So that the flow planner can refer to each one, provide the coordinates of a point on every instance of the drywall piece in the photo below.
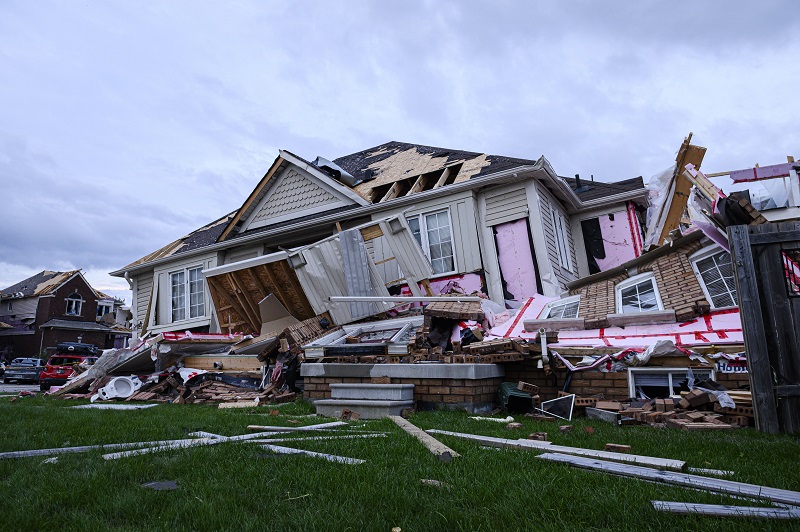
(83, 449)
(432, 444)
(650, 461)
(274, 316)
(679, 479)
(725, 510)
(328, 457)
(516, 260)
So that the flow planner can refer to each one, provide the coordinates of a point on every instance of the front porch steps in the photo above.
(370, 401)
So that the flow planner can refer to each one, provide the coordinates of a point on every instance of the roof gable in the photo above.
(293, 194)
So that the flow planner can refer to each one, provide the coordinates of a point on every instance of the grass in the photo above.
(241, 486)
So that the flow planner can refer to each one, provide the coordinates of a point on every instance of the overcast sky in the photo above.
(126, 125)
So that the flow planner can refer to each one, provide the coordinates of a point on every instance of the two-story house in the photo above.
(508, 227)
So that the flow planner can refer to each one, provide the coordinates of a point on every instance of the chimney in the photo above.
(577, 181)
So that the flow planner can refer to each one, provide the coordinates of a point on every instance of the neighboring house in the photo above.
(511, 228)
(53, 307)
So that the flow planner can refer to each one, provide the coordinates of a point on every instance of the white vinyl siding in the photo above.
(715, 273)
(506, 206)
(560, 228)
(638, 294)
(144, 290)
(547, 206)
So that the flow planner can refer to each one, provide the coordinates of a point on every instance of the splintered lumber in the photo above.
(725, 510)
(650, 461)
(84, 448)
(680, 479)
(328, 457)
(432, 444)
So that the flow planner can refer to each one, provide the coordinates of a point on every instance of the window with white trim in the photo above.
(638, 294)
(187, 282)
(649, 383)
(74, 304)
(104, 308)
(562, 242)
(714, 270)
(435, 236)
(563, 308)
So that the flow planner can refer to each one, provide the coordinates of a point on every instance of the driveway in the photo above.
(14, 388)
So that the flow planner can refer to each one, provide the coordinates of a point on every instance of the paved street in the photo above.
(14, 388)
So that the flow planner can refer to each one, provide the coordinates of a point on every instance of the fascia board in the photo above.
(509, 175)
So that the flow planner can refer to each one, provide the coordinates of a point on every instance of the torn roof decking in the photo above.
(394, 171)
(38, 285)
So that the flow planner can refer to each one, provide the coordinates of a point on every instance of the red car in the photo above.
(61, 365)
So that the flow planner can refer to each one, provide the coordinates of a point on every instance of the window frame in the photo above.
(563, 302)
(562, 239)
(186, 294)
(633, 281)
(632, 372)
(705, 254)
(423, 234)
(103, 304)
(76, 302)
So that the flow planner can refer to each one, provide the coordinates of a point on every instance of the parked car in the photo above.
(23, 369)
(61, 365)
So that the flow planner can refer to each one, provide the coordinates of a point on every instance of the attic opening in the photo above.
(413, 184)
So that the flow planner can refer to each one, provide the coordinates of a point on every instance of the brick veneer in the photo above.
(427, 392)
(677, 284)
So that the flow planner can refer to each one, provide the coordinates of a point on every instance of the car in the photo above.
(23, 369)
(61, 365)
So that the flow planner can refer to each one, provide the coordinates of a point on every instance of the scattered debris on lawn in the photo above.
(442, 451)
(165, 485)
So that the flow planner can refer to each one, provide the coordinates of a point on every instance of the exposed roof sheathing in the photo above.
(40, 284)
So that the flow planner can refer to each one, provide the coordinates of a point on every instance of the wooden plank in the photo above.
(792, 235)
(217, 287)
(85, 448)
(432, 444)
(753, 330)
(185, 444)
(650, 461)
(442, 178)
(243, 295)
(371, 232)
(680, 479)
(328, 457)
(419, 184)
(725, 510)
(687, 153)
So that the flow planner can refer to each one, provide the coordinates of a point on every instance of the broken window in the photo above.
(191, 281)
(715, 272)
(650, 383)
(434, 235)
(74, 304)
(638, 294)
(564, 308)
(560, 228)
(103, 309)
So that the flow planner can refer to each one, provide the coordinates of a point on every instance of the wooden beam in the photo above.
(442, 178)
(680, 479)
(222, 293)
(688, 153)
(419, 184)
(393, 192)
(725, 510)
(649, 461)
(262, 290)
(432, 444)
(240, 292)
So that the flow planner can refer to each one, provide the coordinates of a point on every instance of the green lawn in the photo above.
(240, 486)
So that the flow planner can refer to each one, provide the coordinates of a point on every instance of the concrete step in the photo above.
(376, 392)
(366, 409)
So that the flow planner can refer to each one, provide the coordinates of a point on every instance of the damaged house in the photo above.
(53, 307)
(509, 228)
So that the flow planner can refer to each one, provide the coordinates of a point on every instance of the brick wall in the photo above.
(677, 284)
(585, 384)
(454, 392)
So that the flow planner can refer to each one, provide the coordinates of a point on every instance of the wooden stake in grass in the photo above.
(432, 444)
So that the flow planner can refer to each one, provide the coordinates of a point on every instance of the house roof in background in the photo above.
(41, 284)
(591, 190)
